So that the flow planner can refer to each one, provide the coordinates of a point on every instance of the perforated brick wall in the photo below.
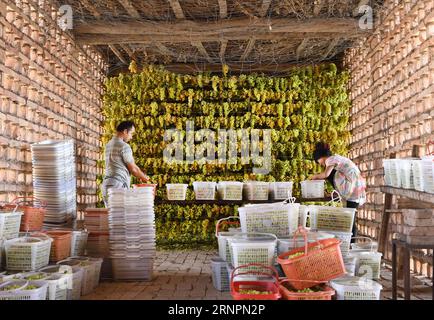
(392, 92)
(50, 89)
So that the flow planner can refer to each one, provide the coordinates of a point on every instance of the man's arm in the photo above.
(135, 171)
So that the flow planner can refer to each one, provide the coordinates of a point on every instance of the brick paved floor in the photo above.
(186, 275)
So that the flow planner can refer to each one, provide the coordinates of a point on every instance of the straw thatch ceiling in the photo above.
(189, 35)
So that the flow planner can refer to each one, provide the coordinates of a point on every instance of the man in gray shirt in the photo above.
(119, 161)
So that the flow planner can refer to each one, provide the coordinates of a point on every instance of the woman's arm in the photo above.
(322, 175)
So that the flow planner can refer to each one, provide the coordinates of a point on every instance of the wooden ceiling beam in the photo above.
(128, 5)
(128, 50)
(223, 6)
(164, 50)
(118, 53)
(104, 39)
(187, 28)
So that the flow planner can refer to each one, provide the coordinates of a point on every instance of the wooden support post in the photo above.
(385, 218)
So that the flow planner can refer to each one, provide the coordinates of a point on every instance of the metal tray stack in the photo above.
(132, 233)
(54, 180)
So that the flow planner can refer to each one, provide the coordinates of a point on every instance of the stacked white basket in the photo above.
(204, 190)
(54, 180)
(368, 260)
(230, 190)
(281, 190)
(312, 189)
(428, 174)
(27, 253)
(58, 284)
(87, 274)
(289, 243)
(256, 190)
(417, 174)
(280, 219)
(404, 171)
(249, 248)
(132, 233)
(78, 242)
(10, 224)
(176, 191)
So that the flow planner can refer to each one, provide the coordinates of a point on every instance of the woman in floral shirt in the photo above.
(343, 174)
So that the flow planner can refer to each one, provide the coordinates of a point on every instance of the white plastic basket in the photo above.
(88, 274)
(21, 293)
(256, 190)
(356, 288)
(404, 169)
(74, 274)
(368, 260)
(79, 242)
(10, 224)
(249, 248)
(368, 245)
(395, 177)
(428, 174)
(386, 167)
(58, 284)
(417, 174)
(2, 255)
(302, 217)
(287, 244)
(281, 190)
(280, 219)
(204, 190)
(345, 238)
(350, 265)
(176, 191)
(335, 219)
(96, 264)
(220, 276)
(222, 238)
(27, 253)
(312, 188)
(230, 190)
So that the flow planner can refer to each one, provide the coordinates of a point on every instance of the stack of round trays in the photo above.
(132, 233)
(54, 179)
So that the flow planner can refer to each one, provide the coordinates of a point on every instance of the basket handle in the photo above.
(254, 233)
(335, 196)
(28, 199)
(302, 231)
(372, 242)
(217, 226)
(298, 280)
(290, 199)
(273, 273)
(40, 234)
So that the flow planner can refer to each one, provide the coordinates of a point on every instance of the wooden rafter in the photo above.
(301, 48)
(128, 5)
(176, 7)
(118, 53)
(248, 49)
(92, 9)
(223, 9)
(223, 45)
(330, 48)
(264, 7)
(128, 50)
(318, 4)
(164, 50)
(202, 50)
